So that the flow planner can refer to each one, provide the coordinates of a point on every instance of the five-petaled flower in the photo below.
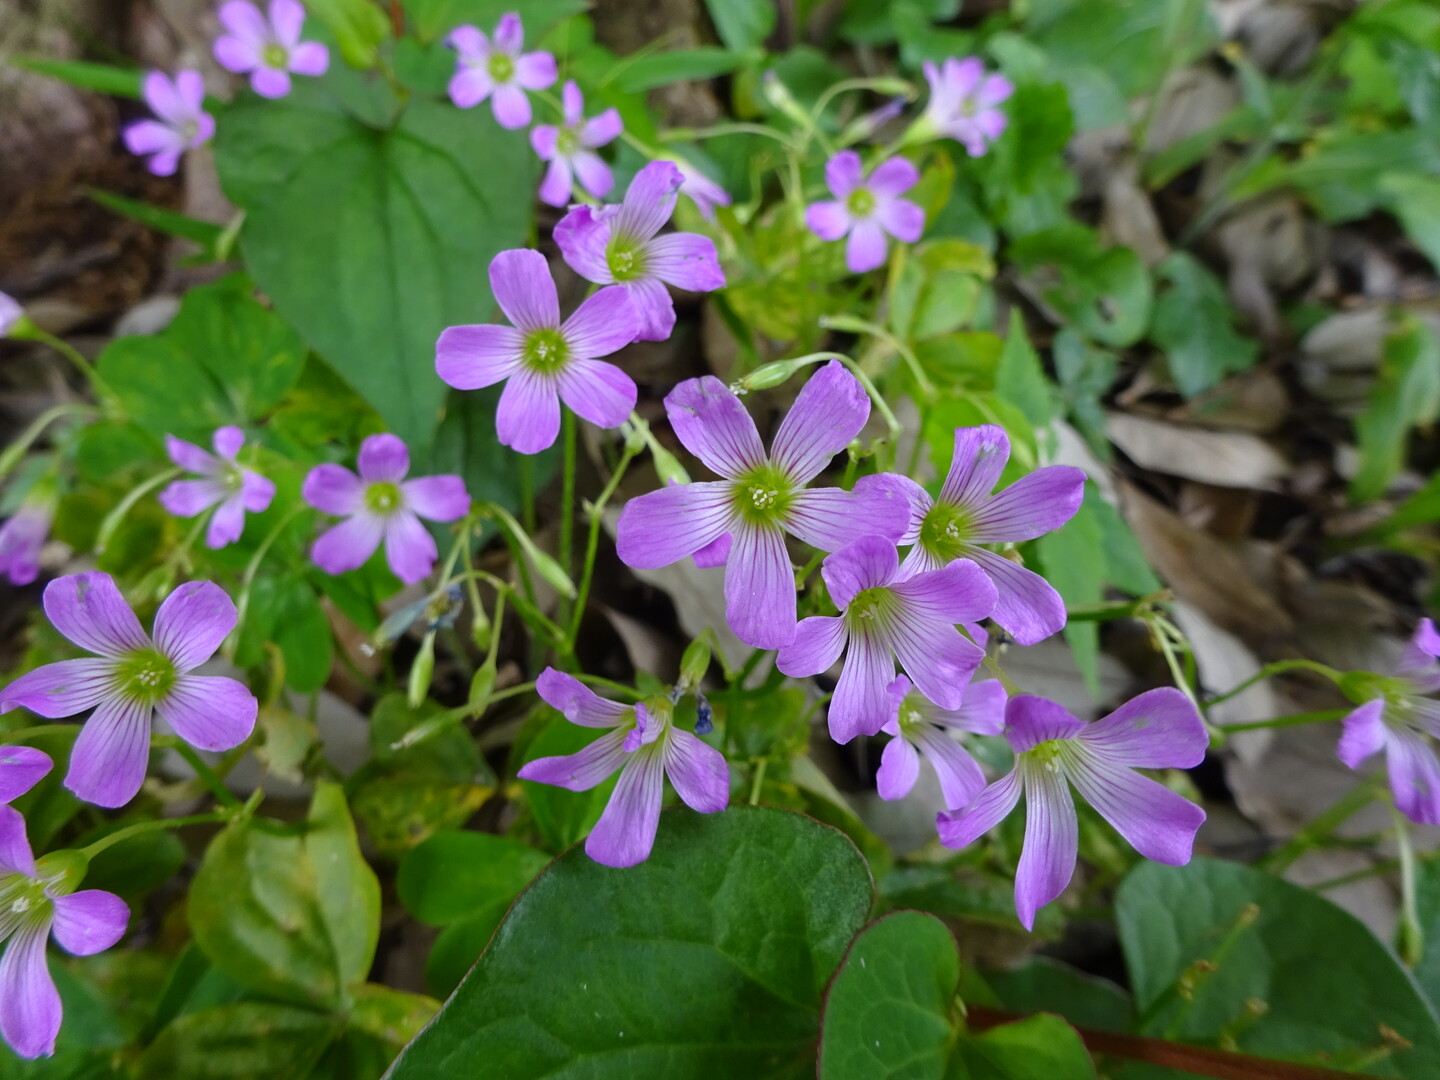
(222, 480)
(570, 149)
(10, 312)
(884, 615)
(494, 67)
(619, 245)
(380, 504)
(741, 521)
(21, 768)
(645, 746)
(964, 104)
(268, 50)
(133, 677)
(1160, 729)
(922, 727)
(181, 122)
(23, 534)
(966, 515)
(866, 208)
(541, 360)
(36, 901)
(1397, 719)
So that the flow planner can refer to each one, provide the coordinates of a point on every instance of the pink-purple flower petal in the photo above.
(1037, 503)
(938, 658)
(60, 689)
(469, 86)
(960, 828)
(894, 176)
(959, 592)
(625, 833)
(333, 489)
(1159, 729)
(21, 768)
(510, 106)
(760, 588)
(210, 712)
(29, 1002)
(409, 548)
(664, 526)
(1026, 605)
(861, 705)
(685, 260)
(524, 289)
(698, 771)
(827, 219)
(649, 201)
(598, 392)
(348, 545)
(107, 765)
(1157, 822)
(1414, 776)
(577, 702)
(979, 458)
(528, 417)
(15, 854)
(828, 412)
(713, 424)
(310, 58)
(437, 498)
(1052, 843)
(868, 563)
(89, 921)
(580, 771)
(1031, 720)
(472, 357)
(866, 247)
(603, 324)
(1363, 733)
(383, 458)
(192, 622)
(819, 640)
(89, 610)
(843, 173)
(961, 779)
(899, 769)
(186, 498)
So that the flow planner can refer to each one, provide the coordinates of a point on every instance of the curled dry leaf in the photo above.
(1224, 458)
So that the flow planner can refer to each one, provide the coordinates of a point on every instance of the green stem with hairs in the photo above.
(91, 850)
(203, 772)
(1279, 667)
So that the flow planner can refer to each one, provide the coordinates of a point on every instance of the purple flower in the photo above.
(236, 488)
(884, 616)
(268, 50)
(133, 677)
(23, 535)
(181, 124)
(619, 245)
(21, 768)
(740, 522)
(380, 504)
(922, 727)
(10, 313)
(646, 747)
(867, 208)
(541, 360)
(967, 515)
(1160, 729)
(497, 69)
(1396, 720)
(36, 901)
(963, 103)
(570, 149)
(705, 193)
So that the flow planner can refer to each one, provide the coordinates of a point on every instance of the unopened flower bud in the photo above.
(422, 670)
(695, 663)
(481, 687)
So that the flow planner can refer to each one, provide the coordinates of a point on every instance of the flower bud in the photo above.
(667, 466)
(481, 687)
(771, 374)
(695, 663)
(422, 671)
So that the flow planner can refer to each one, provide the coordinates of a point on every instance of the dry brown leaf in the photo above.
(1234, 459)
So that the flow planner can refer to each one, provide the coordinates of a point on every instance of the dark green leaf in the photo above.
(1073, 560)
(451, 875)
(1406, 395)
(359, 27)
(167, 221)
(239, 1042)
(289, 912)
(121, 82)
(434, 18)
(754, 906)
(1415, 200)
(742, 24)
(682, 65)
(1105, 292)
(1045, 985)
(889, 1011)
(1020, 378)
(286, 611)
(373, 242)
(1277, 944)
(1192, 321)
(1038, 1048)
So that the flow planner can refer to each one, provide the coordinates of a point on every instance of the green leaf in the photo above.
(1415, 200)
(755, 906)
(239, 1042)
(1192, 321)
(682, 65)
(1274, 943)
(1045, 985)
(1427, 903)
(384, 1020)
(359, 27)
(562, 816)
(1073, 560)
(1105, 292)
(452, 874)
(433, 18)
(742, 24)
(1086, 374)
(286, 611)
(1037, 1048)
(373, 242)
(225, 359)
(289, 912)
(1136, 41)
(1020, 378)
(167, 221)
(888, 1013)
(1406, 394)
(120, 82)
(134, 866)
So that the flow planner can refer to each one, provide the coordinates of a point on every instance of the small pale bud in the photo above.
(481, 687)
(422, 671)
(696, 662)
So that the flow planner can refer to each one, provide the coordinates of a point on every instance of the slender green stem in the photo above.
(91, 850)
(567, 501)
(36, 732)
(116, 516)
(757, 781)
(1320, 829)
(1411, 935)
(203, 771)
(65, 349)
(1279, 667)
(592, 544)
(1320, 716)
(716, 130)
(16, 450)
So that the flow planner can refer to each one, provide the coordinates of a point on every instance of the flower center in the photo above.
(869, 609)
(911, 719)
(21, 899)
(968, 107)
(146, 675)
(190, 131)
(763, 496)
(944, 531)
(275, 56)
(1049, 754)
(626, 262)
(502, 67)
(382, 498)
(545, 351)
(861, 203)
(567, 142)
